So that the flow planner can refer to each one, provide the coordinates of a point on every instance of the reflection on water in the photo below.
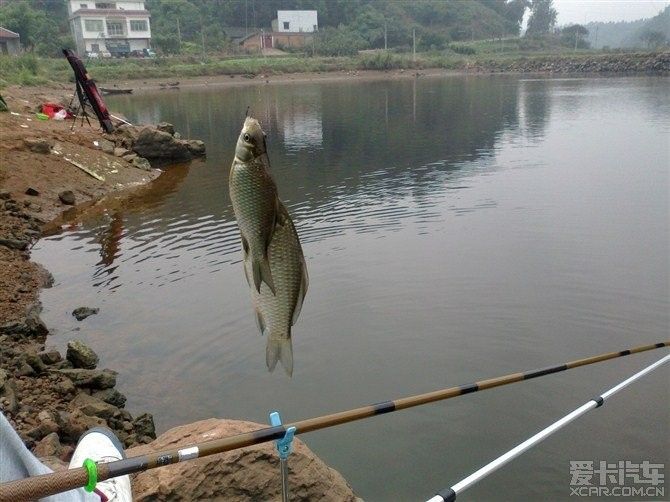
(456, 228)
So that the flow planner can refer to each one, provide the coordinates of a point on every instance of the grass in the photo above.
(30, 70)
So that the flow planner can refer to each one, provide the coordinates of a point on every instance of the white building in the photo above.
(297, 21)
(109, 28)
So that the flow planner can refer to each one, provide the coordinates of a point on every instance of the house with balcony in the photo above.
(111, 28)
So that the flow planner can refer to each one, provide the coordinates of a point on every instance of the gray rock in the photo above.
(196, 147)
(154, 144)
(51, 356)
(31, 191)
(107, 146)
(94, 379)
(25, 370)
(119, 151)
(166, 127)
(5, 195)
(34, 326)
(14, 244)
(176, 135)
(93, 407)
(141, 163)
(130, 157)
(65, 387)
(49, 446)
(36, 363)
(111, 396)
(8, 396)
(38, 145)
(3, 378)
(144, 425)
(67, 197)
(81, 355)
(82, 313)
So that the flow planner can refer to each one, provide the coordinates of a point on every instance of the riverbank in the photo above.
(29, 70)
(48, 168)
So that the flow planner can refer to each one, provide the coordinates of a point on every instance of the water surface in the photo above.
(455, 228)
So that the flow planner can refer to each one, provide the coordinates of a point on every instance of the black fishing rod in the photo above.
(57, 482)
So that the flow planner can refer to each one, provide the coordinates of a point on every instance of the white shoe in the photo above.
(102, 446)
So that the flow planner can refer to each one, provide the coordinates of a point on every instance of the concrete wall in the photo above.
(298, 21)
(11, 46)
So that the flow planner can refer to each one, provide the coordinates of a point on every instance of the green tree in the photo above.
(653, 38)
(575, 35)
(542, 17)
(24, 20)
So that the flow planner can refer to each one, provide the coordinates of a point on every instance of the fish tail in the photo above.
(279, 349)
(260, 268)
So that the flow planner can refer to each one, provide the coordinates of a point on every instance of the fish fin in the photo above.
(304, 284)
(245, 247)
(260, 322)
(261, 273)
(279, 349)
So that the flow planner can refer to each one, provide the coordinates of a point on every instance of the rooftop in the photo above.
(5, 33)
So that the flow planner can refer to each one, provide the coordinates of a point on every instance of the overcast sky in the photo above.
(585, 11)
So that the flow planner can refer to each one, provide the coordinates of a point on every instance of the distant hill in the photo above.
(627, 34)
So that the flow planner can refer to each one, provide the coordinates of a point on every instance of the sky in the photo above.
(585, 11)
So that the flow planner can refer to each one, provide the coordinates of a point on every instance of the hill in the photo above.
(628, 34)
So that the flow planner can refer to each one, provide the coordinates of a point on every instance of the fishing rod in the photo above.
(57, 482)
(449, 494)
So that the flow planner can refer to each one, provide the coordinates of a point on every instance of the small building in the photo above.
(10, 42)
(297, 21)
(292, 28)
(110, 28)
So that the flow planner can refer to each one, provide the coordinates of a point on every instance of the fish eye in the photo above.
(247, 138)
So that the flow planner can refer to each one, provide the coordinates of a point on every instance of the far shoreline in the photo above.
(144, 85)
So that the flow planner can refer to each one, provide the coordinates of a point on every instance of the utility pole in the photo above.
(246, 17)
(385, 38)
(179, 34)
(595, 44)
(575, 41)
(413, 44)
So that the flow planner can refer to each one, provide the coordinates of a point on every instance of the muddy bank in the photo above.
(48, 167)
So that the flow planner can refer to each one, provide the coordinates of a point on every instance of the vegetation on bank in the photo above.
(30, 70)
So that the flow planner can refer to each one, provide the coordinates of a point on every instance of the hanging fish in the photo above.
(277, 311)
(254, 196)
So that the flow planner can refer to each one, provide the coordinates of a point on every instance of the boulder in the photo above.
(14, 244)
(82, 313)
(141, 163)
(49, 446)
(93, 407)
(107, 146)
(3, 378)
(76, 423)
(144, 426)
(196, 147)
(93, 379)
(38, 145)
(111, 396)
(32, 192)
(51, 356)
(154, 144)
(67, 197)
(81, 355)
(119, 151)
(248, 474)
(166, 127)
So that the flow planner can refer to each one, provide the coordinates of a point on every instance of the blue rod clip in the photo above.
(285, 444)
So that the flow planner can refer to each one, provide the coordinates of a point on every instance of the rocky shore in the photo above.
(654, 63)
(50, 397)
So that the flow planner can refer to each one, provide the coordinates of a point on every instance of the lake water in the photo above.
(455, 228)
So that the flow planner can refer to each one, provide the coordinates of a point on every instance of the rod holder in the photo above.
(285, 444)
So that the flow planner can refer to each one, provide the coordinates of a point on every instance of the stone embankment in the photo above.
(655, 63)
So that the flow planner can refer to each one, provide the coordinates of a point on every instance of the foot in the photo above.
(102, 446)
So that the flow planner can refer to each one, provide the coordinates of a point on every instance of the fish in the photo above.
(253, 193)
(276, 312)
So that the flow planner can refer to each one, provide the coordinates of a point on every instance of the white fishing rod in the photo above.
(449, 494)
